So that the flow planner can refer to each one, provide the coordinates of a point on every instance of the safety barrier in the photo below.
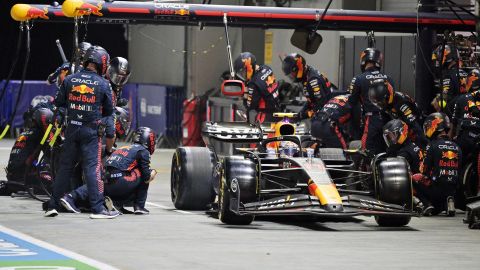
(31, 89)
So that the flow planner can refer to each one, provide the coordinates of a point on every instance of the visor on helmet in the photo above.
(119, 79)
(379, 101)
(391, 137)
(242, 74)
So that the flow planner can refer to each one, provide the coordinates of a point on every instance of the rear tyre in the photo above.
(468, 187)
(242, 173)
(470, 181)
(191, 178)
(393, 185)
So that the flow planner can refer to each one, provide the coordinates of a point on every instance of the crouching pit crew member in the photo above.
(395, 134)
(87, 96)
(128, 175)
(436, 184)
(25, 150)
(399, 106)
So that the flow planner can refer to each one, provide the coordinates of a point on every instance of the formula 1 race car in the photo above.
(281, 176)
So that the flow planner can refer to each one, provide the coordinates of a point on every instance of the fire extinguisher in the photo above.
(192, 121)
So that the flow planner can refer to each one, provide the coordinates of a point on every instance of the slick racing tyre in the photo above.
(192, 178)
(239, 175)
(470, 181)
(469, 187)
(393, 185)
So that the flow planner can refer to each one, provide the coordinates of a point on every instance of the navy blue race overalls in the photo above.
(373, 118)
(318, 91)
(22, 155)
(87, 98)
(407, 110)
(127, 173)
(263, 95)
(442, 167)
(328, 122)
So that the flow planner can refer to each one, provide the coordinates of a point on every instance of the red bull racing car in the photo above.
(286, 174)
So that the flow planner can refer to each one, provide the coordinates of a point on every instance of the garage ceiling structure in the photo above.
(130, 12)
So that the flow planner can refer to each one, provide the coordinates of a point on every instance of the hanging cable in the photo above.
(15, 60)
(28, 27)
(85, 23)
(418, 41)
(75, 57)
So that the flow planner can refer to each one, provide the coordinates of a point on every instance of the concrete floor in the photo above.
(171, 239)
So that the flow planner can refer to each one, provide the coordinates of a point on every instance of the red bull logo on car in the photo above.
(182, 12)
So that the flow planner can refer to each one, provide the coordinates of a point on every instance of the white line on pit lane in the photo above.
(168, 208)
(64, 252)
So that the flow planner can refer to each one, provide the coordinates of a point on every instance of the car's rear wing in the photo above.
(233, 132)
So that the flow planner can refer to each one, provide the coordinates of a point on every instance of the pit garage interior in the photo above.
(178, 63)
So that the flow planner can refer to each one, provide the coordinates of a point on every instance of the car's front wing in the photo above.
(299, 204)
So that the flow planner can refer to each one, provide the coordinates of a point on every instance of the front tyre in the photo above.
(393, 185)
(238, 174)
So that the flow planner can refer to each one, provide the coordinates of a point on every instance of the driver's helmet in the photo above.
(395, 132)
(290, 149)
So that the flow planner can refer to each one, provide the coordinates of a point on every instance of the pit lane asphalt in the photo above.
(171, 239)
